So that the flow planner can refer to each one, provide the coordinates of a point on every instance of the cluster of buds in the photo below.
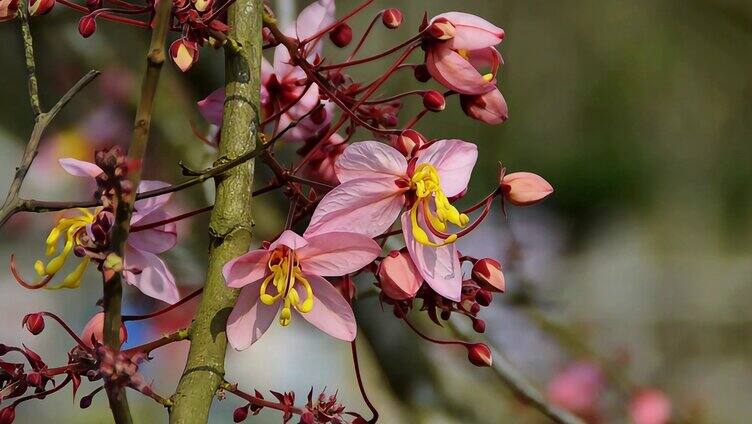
(199, 22)
(323, 410)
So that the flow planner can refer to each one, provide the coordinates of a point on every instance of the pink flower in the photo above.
(377, 182)
(154, 279)
(94, 330)
(490, 107)
(287, 275)
(466, 44)
(578, 388)
(650, 406)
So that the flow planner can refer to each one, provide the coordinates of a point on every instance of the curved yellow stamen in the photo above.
(286, 277)
(69, 228)
(426, 185)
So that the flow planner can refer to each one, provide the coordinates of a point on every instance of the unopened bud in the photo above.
(479, 355)
(341, 35)
(319, 116)
(475, 308)
(202, 5)
(87, 25)
(483, 297)
(525, 188)
(94, 330)
(441, 29)
(420, 72)
(409, 141)
(7, 415)
(445, 315)
(487, 273)
(240, 414)
(184, 53)
(391, 18)
(85, 401)
(479, 326)
(307, 418)
(40, 7)
(93, 4)
(35, 380)
(398, 275)
(34, 323)
(434, 101)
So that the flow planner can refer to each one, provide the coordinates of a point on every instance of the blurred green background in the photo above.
(638, 112)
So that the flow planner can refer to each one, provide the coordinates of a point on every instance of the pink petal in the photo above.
(155, 280)
(331, 313)
(525, 188)
(249, 319)
(454, 160)
(335, 254)
(472, 32)
(145, 207)
(490, 108)
(454, 71)
(398, 275)
(212, 106)
(486, 58)
(290, 239)
(155, 240)
(439, 266)
(246, 269)
(281, 62)
(311, 20)
(79, 168)
(365, 206)
(370, 159)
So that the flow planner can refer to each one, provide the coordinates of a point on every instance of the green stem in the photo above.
(231, 222)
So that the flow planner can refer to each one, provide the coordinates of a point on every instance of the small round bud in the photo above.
(445, 315)
(307, 417)
(341, 35)
(391, 18)
(35, 380)
(483, 297)
(93, 4)
(319, 116)
(85, 401)
(434, 101)
(475, 308)
(487, 273)
(398, 275)
(184, 53)
(40, 7)
(34, 323)
(479, 326)
(87, 25)
(441, 29)
(7, 415)
(240, 414)
(479, 354)
(421, 74)
(525, 188)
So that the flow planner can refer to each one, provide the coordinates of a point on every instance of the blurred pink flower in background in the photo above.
(578, 389)
(650, 406)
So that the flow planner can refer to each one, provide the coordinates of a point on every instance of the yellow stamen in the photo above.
(287, 278)
(426, 184)
(71, 228)
(488, 77)
(464, 53)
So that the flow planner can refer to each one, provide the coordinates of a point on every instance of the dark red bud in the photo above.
(87, 25)
(341, 35)
(34, 323)
(7, 415)
(85, 401)
(93, 4)
(479, 355)
(392, 18)
(445, 315)
(307, 418)
(434, 101)
(40, 7)
(240, 414)
(35, 380)
(421, 73)
(487, 273)
(319, 116)
(475, 309)
(483, 297)
(479, 326)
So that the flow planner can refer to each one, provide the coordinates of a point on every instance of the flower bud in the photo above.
(483, 297)
(7, 415)
(445, 315)
(398, 275)
(35, 379)
(87, 25)
(420, 72)
(479, 354)
(40, 7)
(479, 326)
(490, 108)
(441, 29)
(319, 116)
(408, 142)
(525, 188)
(94, 4)
(434, 101)
(392, 18)
(307, 417)
(341, 35)
(184, 53)
(8, 10)
(34, 323)
(487, 273)
(202, 5)
(94, 329)
(240, 414)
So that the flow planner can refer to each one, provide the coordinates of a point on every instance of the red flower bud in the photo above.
(95, 327)
(87, 25)
(408, 142)
(391, 18)
(40, 7)
(341, 35)
(93, 4)
(7, 415)
(441, 29)
(8, 10)
(434, 101)
(483, 297)
(398, 275)
(420, 72)
(240, 414)
(184, 53)
(525, 188)
(479, 354)
(202, 5)
(319, 116)
(487, 273)
(307, 417)
(479, 326)
(490, 108)
(35, 380)
(34, 323)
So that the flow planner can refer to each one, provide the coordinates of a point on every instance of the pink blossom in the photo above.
(287, 275)
(94, 329)
(378, 182)
(650, 406)
(154, 279)
(578, 388)
(453, 59)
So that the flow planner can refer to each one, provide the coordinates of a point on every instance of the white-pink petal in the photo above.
(471, 31)
(246, 269)
(331, 313)
(290, 239)
(80, 168)
(336, 254)
(155, 279)
(212, 106)
(249, 319)
(454, 160)
(370, 159)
